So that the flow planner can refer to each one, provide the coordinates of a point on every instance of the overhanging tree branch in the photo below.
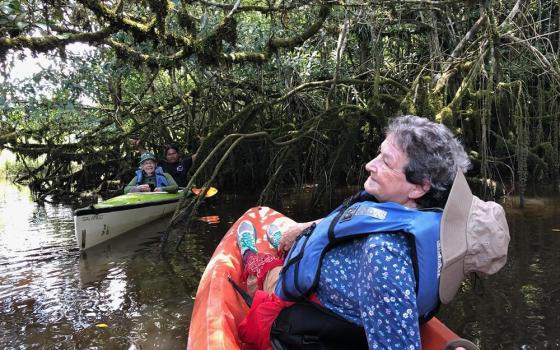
(46, 43)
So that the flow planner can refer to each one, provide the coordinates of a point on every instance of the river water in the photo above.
(132, 294)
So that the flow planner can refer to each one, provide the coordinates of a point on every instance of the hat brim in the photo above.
(453, 237)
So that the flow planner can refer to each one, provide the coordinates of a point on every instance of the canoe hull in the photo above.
(97, 262)
(218, 309)
(97, 224)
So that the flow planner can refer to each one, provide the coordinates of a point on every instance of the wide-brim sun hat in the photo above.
(474, 237)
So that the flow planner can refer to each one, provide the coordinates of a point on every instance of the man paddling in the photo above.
(381, 263)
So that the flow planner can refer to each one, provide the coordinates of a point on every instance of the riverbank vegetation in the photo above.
(272, 93)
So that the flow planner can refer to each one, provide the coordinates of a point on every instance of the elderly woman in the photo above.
(377, 265)
(151, 178)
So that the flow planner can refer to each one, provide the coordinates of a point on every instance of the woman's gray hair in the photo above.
(434, 155)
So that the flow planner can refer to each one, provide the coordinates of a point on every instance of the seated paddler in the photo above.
(150, 178)
(369, 273)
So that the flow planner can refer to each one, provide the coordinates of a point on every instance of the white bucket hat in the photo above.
(474, 237)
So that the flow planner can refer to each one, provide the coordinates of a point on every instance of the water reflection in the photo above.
(96, 262)
(519, 307)
(52, 296)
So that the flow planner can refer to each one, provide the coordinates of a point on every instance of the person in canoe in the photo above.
(369, 273)
(150, 178)
(174, 163)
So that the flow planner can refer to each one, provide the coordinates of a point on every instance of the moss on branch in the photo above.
(291, 42)
(46, 43)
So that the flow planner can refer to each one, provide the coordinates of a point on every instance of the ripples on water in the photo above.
(54, 297)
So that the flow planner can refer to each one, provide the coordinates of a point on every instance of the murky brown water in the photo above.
(520, 306)
(53, 297)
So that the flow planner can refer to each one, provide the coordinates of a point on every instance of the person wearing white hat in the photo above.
(384, 260)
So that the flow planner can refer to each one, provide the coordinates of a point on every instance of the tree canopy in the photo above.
(272, 93)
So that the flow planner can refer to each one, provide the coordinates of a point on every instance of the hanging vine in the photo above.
(522, 148)
(193, 73)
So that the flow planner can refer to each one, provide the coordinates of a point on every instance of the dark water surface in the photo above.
(520, 306)
(54, 297)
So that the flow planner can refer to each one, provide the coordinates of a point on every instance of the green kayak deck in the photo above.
(130, 201)
(138, 197)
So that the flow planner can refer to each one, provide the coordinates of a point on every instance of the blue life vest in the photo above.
(358, 217)
(161, 181)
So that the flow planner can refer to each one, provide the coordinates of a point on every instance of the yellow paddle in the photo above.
(198, 191)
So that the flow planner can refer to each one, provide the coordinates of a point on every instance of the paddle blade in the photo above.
(211, 191)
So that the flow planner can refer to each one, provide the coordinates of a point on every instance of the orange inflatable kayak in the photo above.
(218, 308)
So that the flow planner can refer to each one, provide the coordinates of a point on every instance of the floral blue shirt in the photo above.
(370, 282)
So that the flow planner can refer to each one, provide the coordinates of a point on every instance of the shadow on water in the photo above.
(54, 297)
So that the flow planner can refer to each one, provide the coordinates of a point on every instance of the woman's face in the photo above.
(149, 167)
(387, 180)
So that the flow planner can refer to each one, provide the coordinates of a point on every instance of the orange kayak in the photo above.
(218, 309)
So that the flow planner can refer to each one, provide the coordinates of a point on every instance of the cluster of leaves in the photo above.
(314, 83)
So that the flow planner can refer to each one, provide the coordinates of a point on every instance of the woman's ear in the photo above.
(419, 190)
